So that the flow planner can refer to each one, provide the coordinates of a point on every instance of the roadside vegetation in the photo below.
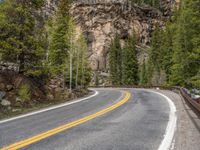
(175, 51)
(123, 62)
(48, 56)
(173, 56)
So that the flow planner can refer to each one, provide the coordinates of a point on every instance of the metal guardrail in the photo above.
(194, 103)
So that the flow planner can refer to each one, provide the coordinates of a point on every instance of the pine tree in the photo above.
(68, 51)
(143, 74)
(149, 72)
(115, 58)
(84, 75)
(155, 51)
(155, 57)
(186, 44)
(167, 49)
(20, 41)
(59, 45)
(130, 63)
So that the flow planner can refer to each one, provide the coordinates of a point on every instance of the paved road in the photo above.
(139, 124)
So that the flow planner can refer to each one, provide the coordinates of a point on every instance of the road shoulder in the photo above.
(35, 111)
(188, 124)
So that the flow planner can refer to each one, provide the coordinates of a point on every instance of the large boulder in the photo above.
(5, 103)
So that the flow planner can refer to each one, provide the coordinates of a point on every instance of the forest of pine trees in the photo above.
(50, 47)
(54, 48)
(174, 54)
(123, 62)
(176, 49)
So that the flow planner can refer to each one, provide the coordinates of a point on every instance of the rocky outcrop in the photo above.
(50, 8)
(100, 22)
(8, 67)
(168, 6)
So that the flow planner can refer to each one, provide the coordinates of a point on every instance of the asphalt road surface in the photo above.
(137, 124)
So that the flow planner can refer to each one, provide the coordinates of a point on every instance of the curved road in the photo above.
(138, 124)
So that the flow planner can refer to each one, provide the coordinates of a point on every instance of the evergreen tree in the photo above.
(84, 75)
(59, 45)
(176, 50)
(186, 44)
(155, 57)
(167, 49)
(130, 63)
(143, 74)
(68, 51)
(115, 58)
(20, 41)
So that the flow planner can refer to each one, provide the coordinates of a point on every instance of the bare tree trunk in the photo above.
(71, 73)
(63, 79)
(82, 71)
(22, 63)
(77, 71)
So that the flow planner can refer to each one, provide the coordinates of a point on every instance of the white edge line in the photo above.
(49, 108)
(171, 127)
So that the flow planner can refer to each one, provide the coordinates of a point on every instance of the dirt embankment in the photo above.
(19, 93)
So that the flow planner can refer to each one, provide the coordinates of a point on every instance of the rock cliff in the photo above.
(100, 20)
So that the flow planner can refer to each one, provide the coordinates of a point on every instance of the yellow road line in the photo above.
(54, 131)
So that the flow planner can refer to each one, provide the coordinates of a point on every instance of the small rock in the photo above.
(9, 87)
(2, 86)
(58, 89)
(50, 97)
(9, 108)
(18, 104)
(2, 94)
(37, 94)
(1, 79)
(5, 102)
(18, 99)
(16, 110)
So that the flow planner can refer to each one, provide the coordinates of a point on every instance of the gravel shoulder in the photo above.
(187, 136)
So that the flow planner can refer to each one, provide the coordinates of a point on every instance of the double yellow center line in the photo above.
(59, 129)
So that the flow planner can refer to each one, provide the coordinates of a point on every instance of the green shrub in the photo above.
(24, 93)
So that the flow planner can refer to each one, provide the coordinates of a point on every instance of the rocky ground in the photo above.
(20, 93)
(187, 135)
(8, 109)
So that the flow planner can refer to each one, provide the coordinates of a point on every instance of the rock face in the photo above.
(50, 8)
(100, 22)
